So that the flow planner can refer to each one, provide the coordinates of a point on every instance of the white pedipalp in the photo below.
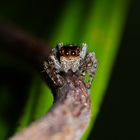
(60, 45)
(83, 51)
(56, 62)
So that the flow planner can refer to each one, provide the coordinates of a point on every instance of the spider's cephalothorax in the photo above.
(69, 57)
(72, 58)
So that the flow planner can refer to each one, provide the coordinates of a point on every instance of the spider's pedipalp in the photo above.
(83, 51)
(60, 45)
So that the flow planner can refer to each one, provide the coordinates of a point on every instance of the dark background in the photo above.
(119, 117)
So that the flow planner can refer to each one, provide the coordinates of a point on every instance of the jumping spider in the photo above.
(66, 58)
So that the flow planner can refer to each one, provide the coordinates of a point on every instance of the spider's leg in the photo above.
(89, 66)
(52, 67)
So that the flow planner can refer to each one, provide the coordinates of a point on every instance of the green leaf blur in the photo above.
(99, 23)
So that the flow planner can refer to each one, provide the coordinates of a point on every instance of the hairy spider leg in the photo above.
(52, 68)
(89, 66)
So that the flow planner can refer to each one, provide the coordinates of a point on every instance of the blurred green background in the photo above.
(102, 24)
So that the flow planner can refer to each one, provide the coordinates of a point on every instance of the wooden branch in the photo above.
(70, 114)
(68, 117)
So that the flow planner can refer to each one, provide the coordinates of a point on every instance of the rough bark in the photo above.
(68, 117)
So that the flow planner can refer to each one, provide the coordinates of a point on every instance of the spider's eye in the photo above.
(73, 53)
(61, 51)
(78, 50)
(66, 53)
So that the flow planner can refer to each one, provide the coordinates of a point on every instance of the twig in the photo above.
(70, 114)
(67, 119)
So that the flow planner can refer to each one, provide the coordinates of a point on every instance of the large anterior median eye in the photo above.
(66, 52)
(73, 53)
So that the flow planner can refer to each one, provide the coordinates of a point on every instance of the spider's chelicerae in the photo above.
(70, 58)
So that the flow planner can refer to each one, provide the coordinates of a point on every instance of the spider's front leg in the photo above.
(89, 67)
(52, 67)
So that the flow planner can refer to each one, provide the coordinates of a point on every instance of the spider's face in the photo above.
(70, 57)
(70, 52)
